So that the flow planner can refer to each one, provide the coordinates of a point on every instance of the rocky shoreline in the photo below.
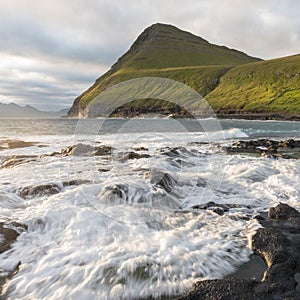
(181, 114)
(287, 149)
(278, 244)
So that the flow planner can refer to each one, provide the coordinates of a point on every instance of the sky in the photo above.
(52, 50)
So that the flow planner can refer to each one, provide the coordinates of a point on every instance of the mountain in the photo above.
(232, 82)
(165, 51)
(60, 113)
(13, 110)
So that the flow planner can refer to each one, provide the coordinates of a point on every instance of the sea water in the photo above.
(118, 235)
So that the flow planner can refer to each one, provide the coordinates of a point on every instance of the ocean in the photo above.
(121, 225)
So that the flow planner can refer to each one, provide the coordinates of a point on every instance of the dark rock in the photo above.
(103, 170)
(140, 149)
(163, 180)
(9, 231)
(268, 148)
(132, 155)
(15, 160)
(102, 150)
(40, 190)
(218, 208)
(83, 150)
(75, 182)
(116, 191)
(178, 152)
(282, 212)
(279, 246)
(227, 289)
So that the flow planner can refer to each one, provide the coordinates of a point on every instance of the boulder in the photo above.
(282, 212)
(132, 155)
(84, 150)
(39, 190)
(164, 180)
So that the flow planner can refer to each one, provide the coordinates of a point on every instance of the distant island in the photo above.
(234, 83)
(12, 110)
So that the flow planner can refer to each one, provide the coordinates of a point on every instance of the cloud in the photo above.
(51, 51)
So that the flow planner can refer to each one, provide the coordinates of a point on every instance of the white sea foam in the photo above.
(121, 235)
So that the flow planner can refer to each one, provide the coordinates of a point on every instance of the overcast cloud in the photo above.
(51, 51)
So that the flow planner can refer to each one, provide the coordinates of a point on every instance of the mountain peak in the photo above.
(163, 50)
(160, 33)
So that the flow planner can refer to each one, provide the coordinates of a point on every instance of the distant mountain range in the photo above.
(232, 81)
(12, 110)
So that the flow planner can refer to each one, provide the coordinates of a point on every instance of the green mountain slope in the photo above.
(166, 51)
(271, 86)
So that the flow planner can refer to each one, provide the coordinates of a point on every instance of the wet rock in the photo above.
(227, 289)
(39, 190)
(75, 182)
(77, 150)
(218, 208)
(163, 180)
(103, 170)
(16, 160)
(14, 144)
(120, 194)
(84, 150)
(278, 244)
(9, 232)
(178, 152)
(102, 150)
(132, 155)
(140, 149)
(268, 148)
(282, 212)
(117, 193)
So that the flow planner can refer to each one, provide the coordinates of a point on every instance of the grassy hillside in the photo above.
(203, 79)
(271, 86)
(165, 46)
(166, 51)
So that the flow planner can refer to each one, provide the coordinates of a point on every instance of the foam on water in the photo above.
(121, 234)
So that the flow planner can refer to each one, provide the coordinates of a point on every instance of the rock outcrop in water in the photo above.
(217, 208)
(9, 232)
(162, 180)
(278, 243)
(15, 160)
(269, 148)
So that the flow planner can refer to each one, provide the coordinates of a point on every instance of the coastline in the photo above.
(275, 236)
(220, 115)
(277, 243)
(259, 117)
